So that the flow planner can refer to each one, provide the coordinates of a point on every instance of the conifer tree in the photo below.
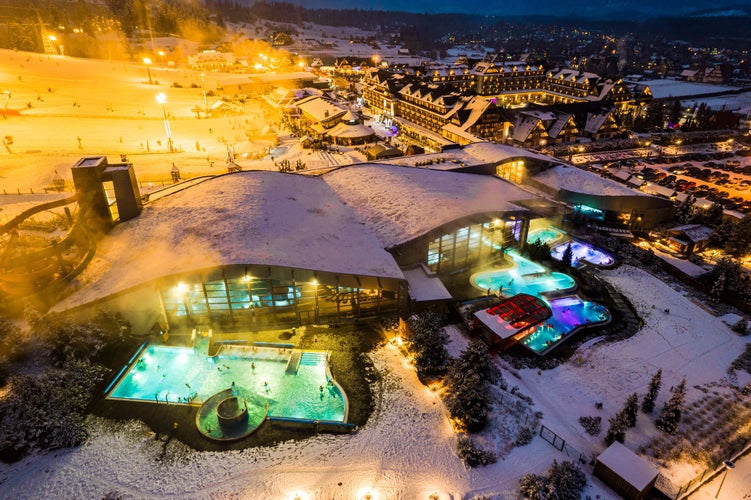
(631, 409)
(617, 429)
(568, 257)
(648, 403)
(670, 416)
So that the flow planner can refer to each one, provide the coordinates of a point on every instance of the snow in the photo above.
(627, 464)
(404, 203)
(264, 218)
(406, 450)
(679, 88)
(581, 181)
(424, 285)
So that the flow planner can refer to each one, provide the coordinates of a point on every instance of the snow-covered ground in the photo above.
(407, 449)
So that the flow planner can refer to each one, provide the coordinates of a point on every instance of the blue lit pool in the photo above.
(188, 375)
(569, 313)
(582, 252)
(524, 276)
(545, 235)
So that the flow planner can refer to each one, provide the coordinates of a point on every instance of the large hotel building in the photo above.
(490, 100)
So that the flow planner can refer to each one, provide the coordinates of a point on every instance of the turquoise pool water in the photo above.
(582, 252)
(569, 313)
(524, 276)
(184, 374)
(545, 235)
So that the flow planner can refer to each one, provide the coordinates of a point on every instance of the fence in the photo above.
(560, 444)
(316, 426)
(666, 487)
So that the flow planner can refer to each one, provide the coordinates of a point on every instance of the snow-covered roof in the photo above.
(404, 203)
(425, 286)
(262, 218)
(320, 109)
(628, 465)
(679, 88)
(346, 130)
(694, 232)
(491, 153)
(581, 181)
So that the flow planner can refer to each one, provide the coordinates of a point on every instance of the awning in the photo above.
(425, 286)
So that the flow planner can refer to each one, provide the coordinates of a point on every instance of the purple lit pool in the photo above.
(569, 314)
(583, 252)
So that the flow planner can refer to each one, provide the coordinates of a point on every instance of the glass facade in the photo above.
(268, 301)
(468, 245)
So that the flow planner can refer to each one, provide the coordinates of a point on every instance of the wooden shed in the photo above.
(625, 472)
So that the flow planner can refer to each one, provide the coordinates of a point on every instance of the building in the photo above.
(428, 104)
(689, 238)
(262, 249)
(625, 472)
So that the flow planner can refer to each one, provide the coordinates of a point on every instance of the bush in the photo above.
(47, 412)
(741, 326)
(68, 341)
(526, 435)
(473, 455)
(565, 481)
(592, 425)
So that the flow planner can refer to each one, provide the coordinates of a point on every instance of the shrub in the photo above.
(564, 481)
(526, 435)
(741, 326)
(472, 454)
(592, 425)
(47, 412)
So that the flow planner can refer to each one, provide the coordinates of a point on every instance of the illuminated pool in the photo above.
(300, 388)
(545, 235)
(569, 313)
(582, 251)
(524, 276)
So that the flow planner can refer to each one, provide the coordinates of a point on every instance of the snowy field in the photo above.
(407, 448)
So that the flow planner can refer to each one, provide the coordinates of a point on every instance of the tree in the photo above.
(631, 409)
(468, 398)
(564, 481)
(427, 343)
(648, 403)
(568, 257)
(740, 242)
(617, 429)
(670, 416)
(468, 401)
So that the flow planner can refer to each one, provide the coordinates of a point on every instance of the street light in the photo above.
(162, 99)
(728, 465)
(147, 62)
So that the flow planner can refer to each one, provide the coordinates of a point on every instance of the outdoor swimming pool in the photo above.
(569, 313)
(184, 374)
(545, 235)
(524, 276)
(582, 251)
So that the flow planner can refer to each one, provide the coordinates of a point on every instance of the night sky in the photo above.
(632, 9)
